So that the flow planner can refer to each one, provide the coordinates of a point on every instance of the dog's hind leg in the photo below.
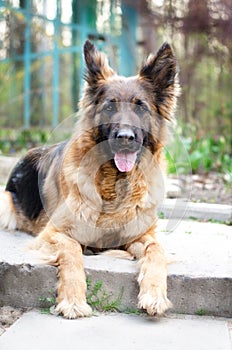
(67, 254)
(152, 277)
(7, 211)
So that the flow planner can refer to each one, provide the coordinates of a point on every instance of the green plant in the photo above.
(18, 141)
(193, 218)
(214, 221)
(133, 311)
(13, 141)
(99, 299)
(189, 152)
(48, 302)
(201, 312)
(161, 215)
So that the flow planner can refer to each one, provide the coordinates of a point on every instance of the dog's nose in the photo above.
(125, 135)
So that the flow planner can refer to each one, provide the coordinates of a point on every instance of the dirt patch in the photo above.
(207, 188)
(8, 315)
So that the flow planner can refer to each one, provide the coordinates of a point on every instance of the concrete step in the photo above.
(117, 331)
(180, 208)
(199, 279)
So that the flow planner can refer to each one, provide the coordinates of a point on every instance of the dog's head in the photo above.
(130, 113)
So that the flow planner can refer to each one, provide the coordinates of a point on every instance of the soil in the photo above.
(208, 188)
(8, 315)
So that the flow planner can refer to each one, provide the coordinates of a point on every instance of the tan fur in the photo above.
(8, 215)
(120, 254)
(152, 277)
(87, 202)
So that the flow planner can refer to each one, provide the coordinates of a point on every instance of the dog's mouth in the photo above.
(125, 144)
(125, 161)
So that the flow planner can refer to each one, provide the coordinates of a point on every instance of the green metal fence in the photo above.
(41, 63)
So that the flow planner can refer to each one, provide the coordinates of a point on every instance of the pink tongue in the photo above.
(125, 161)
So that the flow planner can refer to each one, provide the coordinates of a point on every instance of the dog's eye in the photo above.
(110, 108)
(141, 108)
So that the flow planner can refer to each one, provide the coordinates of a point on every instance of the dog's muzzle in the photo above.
(125, 144)
(125, 138)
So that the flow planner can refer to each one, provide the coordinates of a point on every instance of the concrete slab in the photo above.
(200, 278)
(116, 331)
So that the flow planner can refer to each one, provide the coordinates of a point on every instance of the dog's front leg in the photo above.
(67, 255)
(152, 277)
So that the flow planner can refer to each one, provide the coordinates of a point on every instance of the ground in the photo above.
(208, 188)
(8, 315)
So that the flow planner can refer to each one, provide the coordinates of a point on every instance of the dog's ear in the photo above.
(96, 63)
(161, 72)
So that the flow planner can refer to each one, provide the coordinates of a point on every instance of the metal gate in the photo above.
(41, 64)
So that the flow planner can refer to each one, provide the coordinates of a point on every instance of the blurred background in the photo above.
(41, 69)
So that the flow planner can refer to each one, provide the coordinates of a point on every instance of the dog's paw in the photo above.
(155, 303)
(74, 309)
(7, 212)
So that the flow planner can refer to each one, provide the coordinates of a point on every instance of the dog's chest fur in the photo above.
(111, 208)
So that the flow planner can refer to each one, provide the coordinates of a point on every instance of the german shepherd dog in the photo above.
(101, 188)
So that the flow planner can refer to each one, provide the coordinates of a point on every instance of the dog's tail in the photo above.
(7, 211)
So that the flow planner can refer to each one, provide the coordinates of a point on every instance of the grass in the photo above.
(97, 298)
(201, 312)
(132, 311)
(49, 302)
(161, 215)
